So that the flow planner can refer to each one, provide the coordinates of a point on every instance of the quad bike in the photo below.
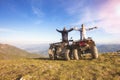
(81, 47)
(65, 50)
(58, 50)
(75, 50)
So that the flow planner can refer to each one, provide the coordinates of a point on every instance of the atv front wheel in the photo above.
(51, 54)
(67, 54)
(94, 52)
(75, 54)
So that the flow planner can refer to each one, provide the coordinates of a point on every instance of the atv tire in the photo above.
(75, 54)
(94, 52)
(51, 54)
(67, 54)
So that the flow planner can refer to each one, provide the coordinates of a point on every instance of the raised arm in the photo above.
(58, 30)
(70, 30)
(77, 29)
(91, 28)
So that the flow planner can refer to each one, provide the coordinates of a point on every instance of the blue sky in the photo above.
(36, 21)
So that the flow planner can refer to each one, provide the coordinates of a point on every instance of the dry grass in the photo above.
(106, 67)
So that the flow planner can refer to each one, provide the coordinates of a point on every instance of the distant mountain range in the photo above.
(43, 48)
(12, 52)
(108, 47)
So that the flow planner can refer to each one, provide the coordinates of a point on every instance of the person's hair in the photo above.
(82, 25)
(64, 28)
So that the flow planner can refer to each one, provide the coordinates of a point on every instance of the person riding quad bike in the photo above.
(67, 51)
(83, 30)
(57, 50)
(84, 45)
(64, 33)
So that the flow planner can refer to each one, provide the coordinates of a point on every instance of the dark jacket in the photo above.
(64, 34)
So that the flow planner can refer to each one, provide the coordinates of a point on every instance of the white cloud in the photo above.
(6, 30)
(37, 22)
(105, 15)
(36, 6)
(37, 11)
(110, 13)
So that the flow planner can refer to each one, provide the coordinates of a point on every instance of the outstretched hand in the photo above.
(96, 27)
(75, 28)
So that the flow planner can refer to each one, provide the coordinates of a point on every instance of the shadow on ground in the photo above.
(46, 58)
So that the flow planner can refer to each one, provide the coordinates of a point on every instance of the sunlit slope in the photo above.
(106, 67)
(11, 52)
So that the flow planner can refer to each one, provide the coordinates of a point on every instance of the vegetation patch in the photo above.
(106, 67)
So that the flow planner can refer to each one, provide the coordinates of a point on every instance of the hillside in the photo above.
(11, 52)
(41, 49)
(106, 67)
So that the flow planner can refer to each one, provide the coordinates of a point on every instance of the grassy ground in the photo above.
(106, 67)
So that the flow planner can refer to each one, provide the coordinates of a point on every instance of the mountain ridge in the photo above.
(42, 49)
(11, 52)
